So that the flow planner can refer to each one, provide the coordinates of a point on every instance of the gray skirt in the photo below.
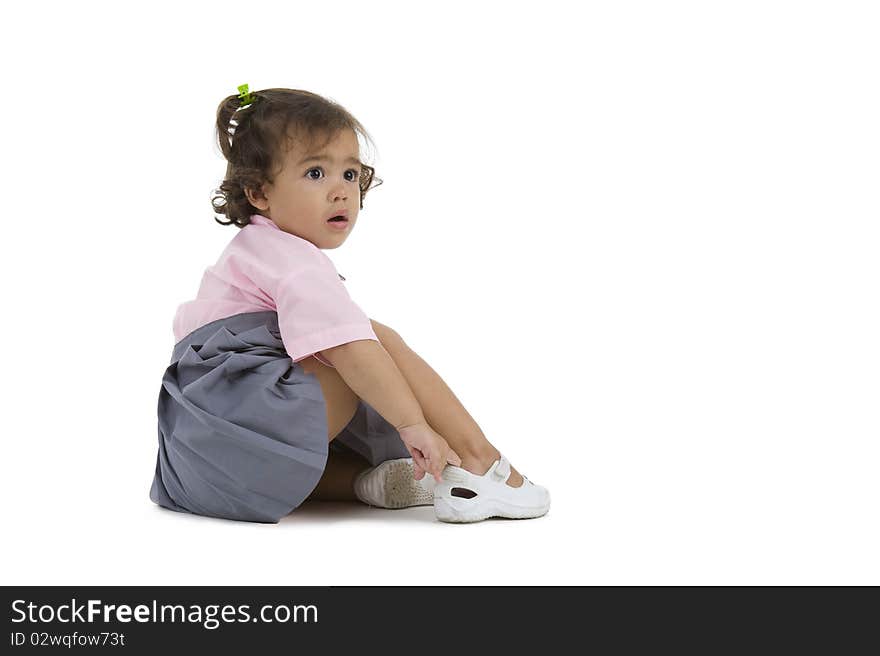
(243, 430)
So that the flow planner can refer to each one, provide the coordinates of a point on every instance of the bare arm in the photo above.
(368, 369)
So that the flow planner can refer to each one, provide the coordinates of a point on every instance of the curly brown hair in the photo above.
(254, 138)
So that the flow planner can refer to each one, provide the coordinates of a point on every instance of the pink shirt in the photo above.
(264, 268)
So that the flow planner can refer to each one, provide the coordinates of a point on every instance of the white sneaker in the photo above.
(466, 497)
(391, 485)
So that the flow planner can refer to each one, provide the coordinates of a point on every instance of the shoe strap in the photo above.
(502, 469)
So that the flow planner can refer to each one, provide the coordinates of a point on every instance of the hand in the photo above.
(429, 450)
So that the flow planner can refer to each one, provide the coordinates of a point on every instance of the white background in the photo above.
(638, 240)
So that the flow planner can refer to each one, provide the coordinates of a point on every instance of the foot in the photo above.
(479, 465)
(391, 485)
(468, 496)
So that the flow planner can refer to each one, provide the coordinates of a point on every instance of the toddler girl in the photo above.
(280, 389)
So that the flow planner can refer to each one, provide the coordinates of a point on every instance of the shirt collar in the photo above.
(259, 219)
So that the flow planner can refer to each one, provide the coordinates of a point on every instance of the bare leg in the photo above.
(337, 482)
(442, 409)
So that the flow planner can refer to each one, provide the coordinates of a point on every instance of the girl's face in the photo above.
(312, 187)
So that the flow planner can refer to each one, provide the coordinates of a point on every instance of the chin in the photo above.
(330, 247)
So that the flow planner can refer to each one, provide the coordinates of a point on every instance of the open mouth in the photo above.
(338, 219)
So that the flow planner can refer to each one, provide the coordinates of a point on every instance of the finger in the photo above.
(436, 468)
(419, 460)
(453, 458)
(418, 472)
(436, 463)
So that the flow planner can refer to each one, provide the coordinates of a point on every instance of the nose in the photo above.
(338, 193)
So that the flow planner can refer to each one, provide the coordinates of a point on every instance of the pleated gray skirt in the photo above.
(243, 429)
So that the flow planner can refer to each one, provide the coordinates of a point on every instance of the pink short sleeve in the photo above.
(315, 312)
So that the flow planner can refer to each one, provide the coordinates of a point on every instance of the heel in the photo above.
(443, 510)
(446, 512)
(460, 511)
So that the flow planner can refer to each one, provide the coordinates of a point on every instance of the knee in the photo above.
(387, 336)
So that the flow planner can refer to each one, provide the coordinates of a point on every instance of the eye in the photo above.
(357, 173)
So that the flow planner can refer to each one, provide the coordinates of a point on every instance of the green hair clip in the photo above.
(245, 96)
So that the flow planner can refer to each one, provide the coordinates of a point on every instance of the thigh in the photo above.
(339, 398)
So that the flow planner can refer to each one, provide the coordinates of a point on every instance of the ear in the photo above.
(257, 198)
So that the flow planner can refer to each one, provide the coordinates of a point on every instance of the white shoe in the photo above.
(391, 485)
(466, 497)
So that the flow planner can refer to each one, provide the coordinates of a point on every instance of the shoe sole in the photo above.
(400, 489)
(463, 511)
